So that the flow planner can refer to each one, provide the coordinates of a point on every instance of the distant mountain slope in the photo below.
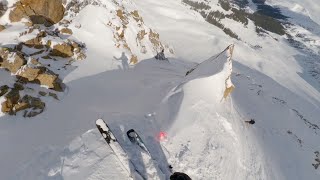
(272, 82)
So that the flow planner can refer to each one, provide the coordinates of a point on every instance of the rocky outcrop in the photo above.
(62, 50)
(134, 59)
(12, 99)
(35, 105)
(50, 80)
(66, 31)
(42, 76)
(13, 104)
(33, 60)
(3, 90)
(36, 42)
(47, 12)
(155, 40)
(11, 61)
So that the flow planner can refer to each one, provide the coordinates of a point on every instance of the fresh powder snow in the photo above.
(192, 111)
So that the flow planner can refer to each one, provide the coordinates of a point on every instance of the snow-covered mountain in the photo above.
(238, 98)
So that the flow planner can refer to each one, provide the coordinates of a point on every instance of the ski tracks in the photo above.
(88, 157)
(213, 148)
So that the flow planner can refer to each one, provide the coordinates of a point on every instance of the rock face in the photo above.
(47, 12)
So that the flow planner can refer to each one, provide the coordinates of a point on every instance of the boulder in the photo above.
(42, 93)
(2, 27)
(66, 31)
(62, 50)
(12, 61)
(47, 12)
(133, 59)
(21, 106)
(30, 102)
(3, 90)
(54, 95)
(47, 79)
(18, 86)
(36, 42)
(30, 73)
(42, 76)
(12, 99)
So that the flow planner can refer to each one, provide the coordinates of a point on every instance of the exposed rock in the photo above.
(3, 90)
(62, 50)
(12, 65)
(34, 102)
(54, 95)
(46, 57)
(50, 80)
(35, 42)
(28, 24)
(66, 31)
(21, 106)
(122, 16)
(42, 76)
(12, 98)
(228, 91)
(81, 56)
(136, 16)
(42, 93)
(30, 102)
(36, 53)
(154, 39)
(64, 22)
(14, 104)
(134, 59)
(18, 86)
(47, 12)
(30, 73)
(2, 27)
(141, 34)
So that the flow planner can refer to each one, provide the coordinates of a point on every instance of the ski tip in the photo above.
(98, 121)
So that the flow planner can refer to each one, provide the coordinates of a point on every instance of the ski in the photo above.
(116, 148)
(135, 138)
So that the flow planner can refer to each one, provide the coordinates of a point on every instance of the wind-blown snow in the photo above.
(305, 7)
(207, 136)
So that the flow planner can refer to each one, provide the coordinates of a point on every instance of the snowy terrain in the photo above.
(206, 133)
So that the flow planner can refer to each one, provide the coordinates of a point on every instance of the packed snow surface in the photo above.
(207, 135)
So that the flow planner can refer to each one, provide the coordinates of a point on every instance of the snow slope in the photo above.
(309, 8)
(207, 136)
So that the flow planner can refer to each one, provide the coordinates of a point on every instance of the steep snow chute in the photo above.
(204, 139)
(217, 69)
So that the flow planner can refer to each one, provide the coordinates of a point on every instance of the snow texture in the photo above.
(207, 133)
